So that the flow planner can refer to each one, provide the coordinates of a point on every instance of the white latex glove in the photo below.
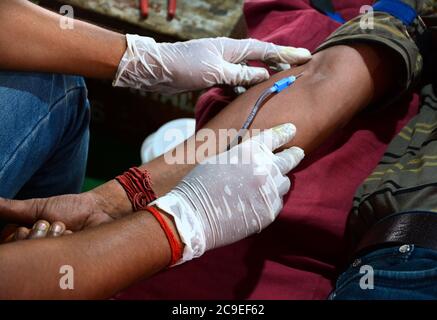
(197, 64)
(221, 202)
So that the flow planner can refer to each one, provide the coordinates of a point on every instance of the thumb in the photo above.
(240, 75)
(19, 211)
(288, 159)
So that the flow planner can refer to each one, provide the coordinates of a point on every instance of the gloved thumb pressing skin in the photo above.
(231, 196)
(198, 64)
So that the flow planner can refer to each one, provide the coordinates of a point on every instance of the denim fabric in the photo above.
(399, 273)
(44, 134)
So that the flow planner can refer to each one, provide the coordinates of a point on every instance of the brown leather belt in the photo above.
(418, 228)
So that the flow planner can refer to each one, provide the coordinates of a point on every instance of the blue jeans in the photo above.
(399, 273)
(44, 134)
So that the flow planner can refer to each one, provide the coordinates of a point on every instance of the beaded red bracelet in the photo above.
(138, 187)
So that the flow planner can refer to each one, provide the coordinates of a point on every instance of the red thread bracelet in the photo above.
(138, 187)
(175, 245)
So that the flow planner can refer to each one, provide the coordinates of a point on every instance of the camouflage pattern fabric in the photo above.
(423, 7)
(406, 178)
(390, 33)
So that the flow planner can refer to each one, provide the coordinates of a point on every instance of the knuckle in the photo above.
(8, 203)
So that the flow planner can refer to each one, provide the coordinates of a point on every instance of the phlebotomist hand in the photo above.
(231, 196)
(198, 64)
(129, 60)
(222, 200)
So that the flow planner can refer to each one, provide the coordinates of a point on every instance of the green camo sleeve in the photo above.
(388, 32)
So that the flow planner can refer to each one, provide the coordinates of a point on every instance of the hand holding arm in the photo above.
(40, 229)
(31, 39)
(231, 196)
(198, 64)
(368, 73)
(207, 214)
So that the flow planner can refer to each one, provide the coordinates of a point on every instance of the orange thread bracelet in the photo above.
(175, 245)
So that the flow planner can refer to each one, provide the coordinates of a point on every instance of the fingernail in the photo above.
(57, 228)
(21, 233)
(287, 130)
(298, 152)
(292, 53)
(41, 226)
(282, 134)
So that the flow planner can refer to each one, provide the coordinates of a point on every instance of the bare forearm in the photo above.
(31, 39)
(337, 83)
(105, 260)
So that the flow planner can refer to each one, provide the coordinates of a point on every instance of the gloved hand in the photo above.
(197, 64)
(230, 196)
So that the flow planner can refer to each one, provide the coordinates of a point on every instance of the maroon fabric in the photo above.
(296, 257)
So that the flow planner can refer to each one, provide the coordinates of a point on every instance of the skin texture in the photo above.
(319, 103)
(129, 247)
(105, 260)
(39, 33)
(109, 257)
(40, 229)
